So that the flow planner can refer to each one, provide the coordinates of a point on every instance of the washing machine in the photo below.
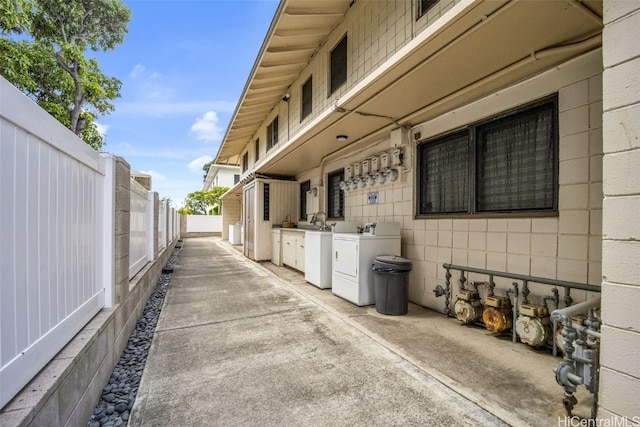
(353, 254)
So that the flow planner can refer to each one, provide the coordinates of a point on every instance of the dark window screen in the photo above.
(307, 98)
(304, 187)
(335, 196)
(338, 65)
(426, 5)
(272, 133)
(245, 162)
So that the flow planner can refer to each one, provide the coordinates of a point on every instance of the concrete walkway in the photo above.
(240, 343)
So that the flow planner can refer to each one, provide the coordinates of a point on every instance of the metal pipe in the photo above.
(573, 285)
(525, 292)
(514, 311)
(555, 298)
(564, 314)
(462, 280)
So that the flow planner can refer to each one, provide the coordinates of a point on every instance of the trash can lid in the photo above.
(392, 262)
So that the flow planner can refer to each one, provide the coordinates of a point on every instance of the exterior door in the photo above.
(249, 220)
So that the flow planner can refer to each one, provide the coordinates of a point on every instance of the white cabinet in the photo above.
(317, 257)
(235, 234)
(292, 243)
(276, 252)
(353, 254)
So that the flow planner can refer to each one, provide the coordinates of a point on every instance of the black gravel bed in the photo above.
(119, 394)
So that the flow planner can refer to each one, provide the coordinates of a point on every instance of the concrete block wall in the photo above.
(566, 246)
(620, 370)
(122, 227)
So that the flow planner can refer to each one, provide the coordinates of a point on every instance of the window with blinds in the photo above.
(443, 175)
(335, 196)
(505, 164)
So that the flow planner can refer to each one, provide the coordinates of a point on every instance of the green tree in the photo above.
(13, 16)
(199, 201)
(50, 65)
(205, 168)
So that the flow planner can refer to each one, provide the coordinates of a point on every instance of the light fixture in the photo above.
(342, 138)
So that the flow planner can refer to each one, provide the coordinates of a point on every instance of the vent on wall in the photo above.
(265, 209)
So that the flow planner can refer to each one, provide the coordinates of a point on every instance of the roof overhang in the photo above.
(477, 48)
(299, 28)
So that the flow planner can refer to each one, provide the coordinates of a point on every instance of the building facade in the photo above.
(501, 135)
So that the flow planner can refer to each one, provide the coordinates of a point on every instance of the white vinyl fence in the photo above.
(141, 229)
(203, 223)
(162, 226)
(56, 227)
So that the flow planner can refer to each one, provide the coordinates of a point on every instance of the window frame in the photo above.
(338, 65)
(473, 181)
(257, 150)
(338, 176)
(306, 98)
(423, 10)
(272, 133)
(304, 187)
(245, 162)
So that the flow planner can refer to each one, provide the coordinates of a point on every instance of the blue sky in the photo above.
(183, 66)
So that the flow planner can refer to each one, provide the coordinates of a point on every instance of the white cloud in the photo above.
(137, 70)
(155, 75)
(206, 127)
(196, 165)
(102, 129)
(155, 176)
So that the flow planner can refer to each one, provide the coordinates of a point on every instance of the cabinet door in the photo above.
(300, 252)
(289, 249)
(345, 256)
(275, 248)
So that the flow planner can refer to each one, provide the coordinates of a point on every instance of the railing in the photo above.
(51, 228)
(536, 324)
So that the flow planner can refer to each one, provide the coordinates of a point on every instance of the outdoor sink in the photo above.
(312, 227)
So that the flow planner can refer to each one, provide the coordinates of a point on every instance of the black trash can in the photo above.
(391, 284)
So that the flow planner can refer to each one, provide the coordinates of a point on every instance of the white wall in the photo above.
(620, 371)
(204, 223)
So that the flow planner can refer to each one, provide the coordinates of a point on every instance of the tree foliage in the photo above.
(198, 202)
(49, 64)
(205, 168)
